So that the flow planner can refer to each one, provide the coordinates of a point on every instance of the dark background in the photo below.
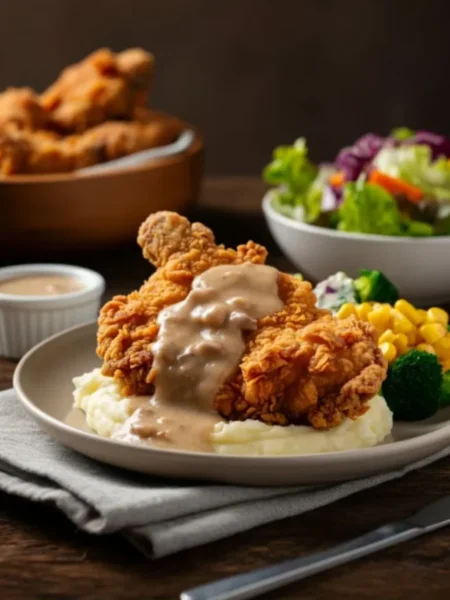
(254, 73)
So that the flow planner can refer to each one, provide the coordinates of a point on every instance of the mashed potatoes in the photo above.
(254, 438)
(100, 399)
(107, 411)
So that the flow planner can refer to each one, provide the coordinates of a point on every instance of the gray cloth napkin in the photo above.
(159, 516)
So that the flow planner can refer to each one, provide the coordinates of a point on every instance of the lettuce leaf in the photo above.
(291, 167)
(368, 208)
(417, 228)
(415, 165)
(300, 182)
(402, 133)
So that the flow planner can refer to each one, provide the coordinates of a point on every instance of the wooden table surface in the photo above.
(43, 555)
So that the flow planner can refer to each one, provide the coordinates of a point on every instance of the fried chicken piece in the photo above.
(14, 152)
(127, 324)
(101, 87)
(301, 365)
(136, 65)
(21, 107)
(320, 373)
(33, 129)
(41, 152)
(116, 139)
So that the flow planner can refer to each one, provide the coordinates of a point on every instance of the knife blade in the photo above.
(433, 516)
(259, 581)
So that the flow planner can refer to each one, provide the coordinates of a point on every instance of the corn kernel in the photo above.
(346, 310)
(387, 336)
(400, 324)
(437, 315)
(442, 347)
(421, 315)
(400, 342)
(426, 348)
(432, 332)
(412, 337)
(380, 317)
(407, 309)
(362, 310)
(389, 351)
(446, 365)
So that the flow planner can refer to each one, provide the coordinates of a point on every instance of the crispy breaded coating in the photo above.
(41, 152)
(104, 86)
(127, 324)
(136, 65)
(291, 373)
(119, 138)
(21, 107)
(301, 365)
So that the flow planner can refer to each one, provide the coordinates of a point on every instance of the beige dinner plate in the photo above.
(43, 382)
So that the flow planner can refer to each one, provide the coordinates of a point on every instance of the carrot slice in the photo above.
(337, 179)
(396, 186)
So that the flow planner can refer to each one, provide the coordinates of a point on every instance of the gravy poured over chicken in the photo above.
(199, 346)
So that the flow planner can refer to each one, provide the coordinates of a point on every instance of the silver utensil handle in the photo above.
(259, 581)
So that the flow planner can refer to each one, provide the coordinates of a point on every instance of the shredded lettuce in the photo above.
(282, 202)
(301, 182)
(400, 134)
(417, 228)
(415, 165)
(442, 226)
(368, 208)
(291, 167)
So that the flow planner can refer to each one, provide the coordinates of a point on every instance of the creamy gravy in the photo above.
(169, 426)
(40, 285)
(199, 345)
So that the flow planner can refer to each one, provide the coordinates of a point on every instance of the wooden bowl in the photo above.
(74, 212)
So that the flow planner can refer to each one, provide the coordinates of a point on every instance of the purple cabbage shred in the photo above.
(439, 144)
(353, 160)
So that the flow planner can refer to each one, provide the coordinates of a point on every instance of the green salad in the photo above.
(396, 185)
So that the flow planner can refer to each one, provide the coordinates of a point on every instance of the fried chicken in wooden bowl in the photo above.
(82, 164)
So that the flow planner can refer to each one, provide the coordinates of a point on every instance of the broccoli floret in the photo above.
(373, 286)
(445, 390)
(413, 386)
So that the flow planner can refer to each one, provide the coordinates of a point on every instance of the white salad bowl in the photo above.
(419, 267)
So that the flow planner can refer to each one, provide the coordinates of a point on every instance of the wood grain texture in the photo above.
(43, 556)
(6, 372)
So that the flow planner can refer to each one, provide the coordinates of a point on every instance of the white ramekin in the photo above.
(27, 320)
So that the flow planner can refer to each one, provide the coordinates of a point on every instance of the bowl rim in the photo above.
(195, 147)
(272, 214)
(93, 285)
